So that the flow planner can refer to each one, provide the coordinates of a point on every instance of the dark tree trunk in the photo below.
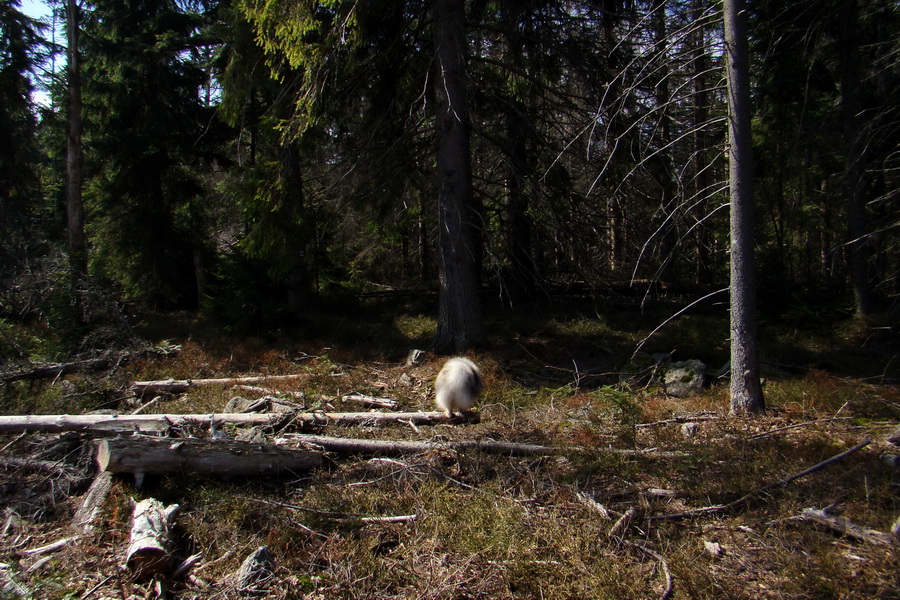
(746, 391)
(459, 310)
(855, 171)
(74, 206)
(700, 63)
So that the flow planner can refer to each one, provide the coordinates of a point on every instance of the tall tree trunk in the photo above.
(699, 64)
(74, 206)
(855, 171)
(746, 391)
(459, 309)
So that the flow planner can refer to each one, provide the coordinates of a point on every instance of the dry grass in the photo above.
(489, 526)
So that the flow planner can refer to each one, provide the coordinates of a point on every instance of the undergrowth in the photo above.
(478, 525)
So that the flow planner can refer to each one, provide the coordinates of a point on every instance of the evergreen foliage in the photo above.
(258, 157)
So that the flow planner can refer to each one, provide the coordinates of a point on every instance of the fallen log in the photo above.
(93, 500)
(177, 386)
(151, 539)
(121, 423)
(151, 423)
(399, 448)
(209, 457)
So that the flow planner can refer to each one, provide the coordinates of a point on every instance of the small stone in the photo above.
(714, 548)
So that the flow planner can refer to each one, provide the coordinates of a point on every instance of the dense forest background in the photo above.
(259, 160)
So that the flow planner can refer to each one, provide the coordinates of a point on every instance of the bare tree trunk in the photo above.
(459, 309)
(74, 159)
(855, 170)
(746, 391)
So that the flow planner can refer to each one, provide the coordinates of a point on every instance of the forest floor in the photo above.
(593, 519)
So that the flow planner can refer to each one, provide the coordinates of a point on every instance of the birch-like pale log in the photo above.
(177, 386)
(151, 423)
(149, 551)
(207, 457)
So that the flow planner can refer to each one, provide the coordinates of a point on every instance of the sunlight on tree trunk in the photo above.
(746, 391)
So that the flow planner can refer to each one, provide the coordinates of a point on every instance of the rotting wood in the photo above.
(177, 386)
(707, 510)
(92, 502)
(208, 457)
(845, 527)
(256, 570)
(154, 423)
(149, 549)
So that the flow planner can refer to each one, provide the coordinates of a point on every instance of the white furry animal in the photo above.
(457, 385)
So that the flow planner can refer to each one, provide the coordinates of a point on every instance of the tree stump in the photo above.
(149, 551)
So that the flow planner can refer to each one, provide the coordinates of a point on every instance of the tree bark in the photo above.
(113, 424)
(746, 391)
(74, 158)
(149, 551)
(459, 309)
(92, 502)
(855, 167)
(206, 457)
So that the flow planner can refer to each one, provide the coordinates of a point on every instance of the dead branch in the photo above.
(744, 499)
(795, 426)
(371, 401)
(43, 466)
(622, 523)
(670, 583)
(679, 420)
(52, 547)
(178, 386)
(46, 371)
(270, 391)
(844, 527)
(398, 448)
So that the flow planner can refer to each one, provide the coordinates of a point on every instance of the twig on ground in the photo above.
(796, 425)
(670, 582)
(706, 510)
(844, 526)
